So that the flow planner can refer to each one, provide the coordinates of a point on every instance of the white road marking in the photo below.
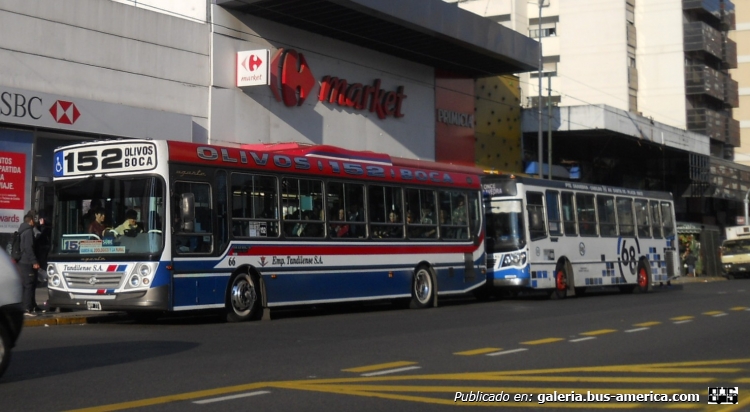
(505, 352)
(227, 398)
(636, 330)
(387, 371)
(582, 339)
(683, 321)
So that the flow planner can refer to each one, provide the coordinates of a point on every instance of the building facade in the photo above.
(356, 74)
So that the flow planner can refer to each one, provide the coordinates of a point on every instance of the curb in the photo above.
(72, 320)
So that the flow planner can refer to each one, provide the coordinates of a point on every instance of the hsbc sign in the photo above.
(36, 109)
(292, 82)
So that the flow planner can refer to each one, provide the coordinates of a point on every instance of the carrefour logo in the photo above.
(292, 82)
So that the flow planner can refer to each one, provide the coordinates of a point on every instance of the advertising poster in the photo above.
(12, 190)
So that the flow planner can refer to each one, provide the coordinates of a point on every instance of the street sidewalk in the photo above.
(80, 317)
(75, 317)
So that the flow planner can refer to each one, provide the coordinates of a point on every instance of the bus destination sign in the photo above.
(122, 157)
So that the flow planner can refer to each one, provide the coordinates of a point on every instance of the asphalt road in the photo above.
(676, 341)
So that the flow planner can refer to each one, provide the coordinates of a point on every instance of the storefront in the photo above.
(33, 124)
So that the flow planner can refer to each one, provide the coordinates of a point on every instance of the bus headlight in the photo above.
(55, 280)
(51, 271)
(135, 281)
(144, 270)
(515, 259)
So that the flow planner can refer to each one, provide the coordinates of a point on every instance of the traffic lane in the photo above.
(301, 348)
(431, 385)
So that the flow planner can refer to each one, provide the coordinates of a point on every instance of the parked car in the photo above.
(11, 308)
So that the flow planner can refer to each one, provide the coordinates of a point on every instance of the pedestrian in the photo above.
(690, 261)
(28, 265)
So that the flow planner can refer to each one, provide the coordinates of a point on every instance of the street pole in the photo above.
(549, 126)
(539, 102)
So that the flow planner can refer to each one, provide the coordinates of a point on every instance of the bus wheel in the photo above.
(422, 289)
(561, 284)
(243, 302)
(643, 279)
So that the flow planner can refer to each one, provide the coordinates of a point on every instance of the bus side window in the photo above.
(625, 216)
(193, 218)
(568, 214)
(586, 212)
(655, 219)
(535, 208)
(553, 213)
(666, 216)
(254, 206)
(641, 217)
(606, 210)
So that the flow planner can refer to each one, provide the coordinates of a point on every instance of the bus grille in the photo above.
(110, 280)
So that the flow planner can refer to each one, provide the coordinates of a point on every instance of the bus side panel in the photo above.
(334, 284)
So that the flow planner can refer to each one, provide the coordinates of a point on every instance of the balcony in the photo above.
(730, 54)
(731, 92)
(728, 19)
(703, 7)
(703, 80)
(700, 37)
(716, 125)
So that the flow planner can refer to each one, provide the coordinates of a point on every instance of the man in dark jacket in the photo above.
(27, 265)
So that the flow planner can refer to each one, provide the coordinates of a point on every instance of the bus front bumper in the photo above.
(151, 299)
(512, 282)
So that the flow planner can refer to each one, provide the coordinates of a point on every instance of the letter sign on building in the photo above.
(253, 67)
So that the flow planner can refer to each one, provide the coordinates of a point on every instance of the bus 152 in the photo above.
(151, 226)
(563, 237)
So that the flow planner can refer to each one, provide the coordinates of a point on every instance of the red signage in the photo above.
(292, 81)
(64, 112)
(12, 180)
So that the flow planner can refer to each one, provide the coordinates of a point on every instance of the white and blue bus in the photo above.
(564, 237)
(155, 226)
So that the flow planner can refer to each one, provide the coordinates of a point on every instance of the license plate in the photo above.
(91, 305)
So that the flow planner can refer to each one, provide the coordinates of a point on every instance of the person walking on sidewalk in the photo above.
(28, 265)
(690, 261)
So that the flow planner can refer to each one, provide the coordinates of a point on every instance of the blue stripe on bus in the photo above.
(317, 286)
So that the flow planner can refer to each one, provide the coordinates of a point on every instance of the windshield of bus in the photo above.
(505, 231)
(736, 247)
(113, 217)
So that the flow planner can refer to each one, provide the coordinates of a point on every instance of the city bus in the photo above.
(564, 237)
(151, 226)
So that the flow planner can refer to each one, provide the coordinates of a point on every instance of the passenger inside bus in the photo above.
(97, 225)
(340, 229)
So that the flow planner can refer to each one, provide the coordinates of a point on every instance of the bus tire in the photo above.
(561, 282)
(243, 298)
(422, 288)
(643, 277)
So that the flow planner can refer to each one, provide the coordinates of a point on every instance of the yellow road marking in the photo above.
(478, 351)
(713, 312)
(379, 366)
(369, 387)
(542, 341)
(598, 332)
(682, 318)
(739, 308)
(742, 380)
(646, 324)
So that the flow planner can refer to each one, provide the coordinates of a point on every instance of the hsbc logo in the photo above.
(64, 112)
(292, 82)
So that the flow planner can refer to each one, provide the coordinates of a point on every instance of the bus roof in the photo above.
(326, 160)
(489, 180)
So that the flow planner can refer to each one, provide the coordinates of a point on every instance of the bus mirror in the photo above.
(187, 212)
